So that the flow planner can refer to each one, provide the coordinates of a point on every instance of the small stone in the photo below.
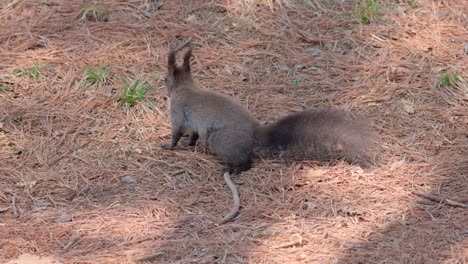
(465, 48)
(42, 204)
(390, 226)
(227, 71)
(407, 107)
(191, 18)
(243, 78)
(64, 217)
(146, 14)
(315, 52)
(128, 179)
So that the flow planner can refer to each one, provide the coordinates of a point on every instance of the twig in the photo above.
(235, 195)
(150, 256)
(13, 4)
(439, 199)
(16, 212)
(289, 244)
(181, 45)
(296, 241)
(73, 241)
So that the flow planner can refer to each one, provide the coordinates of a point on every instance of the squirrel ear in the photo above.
(171, 62)
(187, 57)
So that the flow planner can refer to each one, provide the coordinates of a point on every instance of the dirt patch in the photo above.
(33, 259)
(68, 147)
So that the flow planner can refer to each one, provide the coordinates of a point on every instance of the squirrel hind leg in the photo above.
(365, 160)
(238, 167)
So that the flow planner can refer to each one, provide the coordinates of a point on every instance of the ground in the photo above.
(78, 161)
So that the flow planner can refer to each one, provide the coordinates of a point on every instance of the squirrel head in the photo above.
(177, 76)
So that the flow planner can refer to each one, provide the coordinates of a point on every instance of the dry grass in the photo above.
(65, 145)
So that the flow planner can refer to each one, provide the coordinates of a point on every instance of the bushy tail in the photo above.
(320, 134)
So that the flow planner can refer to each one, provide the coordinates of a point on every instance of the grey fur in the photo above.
(320, 134)
(230, 131)
(225, 126)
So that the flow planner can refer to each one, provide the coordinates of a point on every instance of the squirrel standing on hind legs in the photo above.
(226, 127)
(231, 132)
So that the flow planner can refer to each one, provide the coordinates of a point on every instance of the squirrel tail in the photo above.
(320, 134)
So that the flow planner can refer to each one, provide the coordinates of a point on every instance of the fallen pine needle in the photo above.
(73, 241)
(235, 195)
(150, 256)
(296, 241)
(439, 199)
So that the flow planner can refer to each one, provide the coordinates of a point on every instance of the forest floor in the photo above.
(76, 160)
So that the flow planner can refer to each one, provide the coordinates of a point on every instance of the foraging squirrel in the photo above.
(230, 131)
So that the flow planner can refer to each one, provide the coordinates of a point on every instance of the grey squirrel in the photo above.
(225, 126)
(230, 131)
